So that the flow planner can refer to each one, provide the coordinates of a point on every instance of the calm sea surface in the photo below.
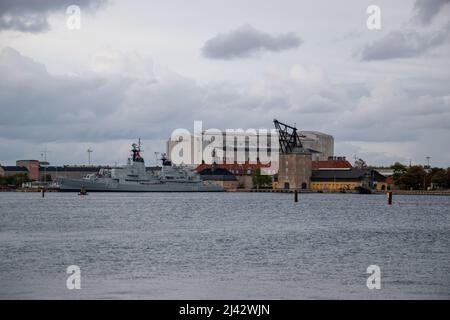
(223, 246)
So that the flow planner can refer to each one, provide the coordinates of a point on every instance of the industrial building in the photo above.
(321, 143)
(306, 160)
(240, 146)
(9, 171)
(32, 167)
(295, 164)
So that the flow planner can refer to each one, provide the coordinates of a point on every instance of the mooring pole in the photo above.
(389, 196)
(43, 192)
(296, 195)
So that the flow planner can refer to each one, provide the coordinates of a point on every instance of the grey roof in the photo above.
(217, 174)
(352, 174)
(300, 150)
(71, 169)
(317, 133)
(14, 168)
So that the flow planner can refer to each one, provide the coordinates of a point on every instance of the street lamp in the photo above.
(427, 170)
(89, 151)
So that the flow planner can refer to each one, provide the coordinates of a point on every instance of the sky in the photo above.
(145, 68)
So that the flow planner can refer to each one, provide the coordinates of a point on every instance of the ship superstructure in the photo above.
(133, 177)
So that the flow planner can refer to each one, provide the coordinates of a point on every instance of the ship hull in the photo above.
(72, 185)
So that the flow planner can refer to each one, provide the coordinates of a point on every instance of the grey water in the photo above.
(223, 246)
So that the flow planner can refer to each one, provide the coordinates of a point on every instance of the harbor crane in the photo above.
(288, 137)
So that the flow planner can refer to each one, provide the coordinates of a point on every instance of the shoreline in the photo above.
(395, 192)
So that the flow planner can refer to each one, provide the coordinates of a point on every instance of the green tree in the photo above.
(448, 177)
(399, 170)
(413, 178)
(15, 180)
(3, 181)
(260, 180)
(439, 178)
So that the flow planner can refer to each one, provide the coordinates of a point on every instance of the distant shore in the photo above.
(397, 192)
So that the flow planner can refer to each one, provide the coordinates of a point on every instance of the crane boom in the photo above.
(287, 136)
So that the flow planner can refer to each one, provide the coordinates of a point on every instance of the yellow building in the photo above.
(345, 179)
(335, 186)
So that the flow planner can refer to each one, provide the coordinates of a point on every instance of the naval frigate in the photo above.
(133, 177)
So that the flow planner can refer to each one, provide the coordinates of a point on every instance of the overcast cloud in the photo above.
(108, 105)
(426, 10)
(135, 70)
(247, 41)
(406, 43)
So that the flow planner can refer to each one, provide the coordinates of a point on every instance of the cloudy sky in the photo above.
(144, 68)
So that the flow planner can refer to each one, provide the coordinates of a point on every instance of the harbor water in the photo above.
(223, 246)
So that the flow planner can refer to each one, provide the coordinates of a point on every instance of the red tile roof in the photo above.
(235, 168)
(389, 180)
(245, 167)
(331, 164)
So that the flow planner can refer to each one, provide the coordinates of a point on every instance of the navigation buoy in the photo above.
(83, 192)
(389, 197)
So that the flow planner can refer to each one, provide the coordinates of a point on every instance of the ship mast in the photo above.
(136, 152)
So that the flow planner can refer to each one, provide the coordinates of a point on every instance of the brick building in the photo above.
(32, 167)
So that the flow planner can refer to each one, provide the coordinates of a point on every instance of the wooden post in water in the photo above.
(43, 192)
(389, 196)
(296, 195)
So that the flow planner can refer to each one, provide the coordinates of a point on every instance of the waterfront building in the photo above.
(32, 167)
(295, 170)
(295, 160)
(320, 142)
(54, 172)
(219, 176)
(349, 179)
(387, 172)
(242, 172)
(332, 163)
(320, 145)
(9, 171)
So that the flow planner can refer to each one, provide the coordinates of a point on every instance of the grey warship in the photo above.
(133, 177)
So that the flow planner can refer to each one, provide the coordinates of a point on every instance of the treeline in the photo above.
(261, 180)
(420, 177)
(15, 180)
